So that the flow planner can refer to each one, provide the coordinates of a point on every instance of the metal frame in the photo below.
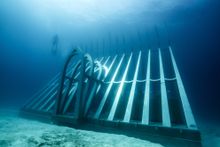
(87, 85)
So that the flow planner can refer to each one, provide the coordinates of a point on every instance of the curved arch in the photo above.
(60, 100)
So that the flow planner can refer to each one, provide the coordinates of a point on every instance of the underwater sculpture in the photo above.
(118, 92)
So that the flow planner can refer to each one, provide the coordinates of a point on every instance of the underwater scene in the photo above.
(109, 73)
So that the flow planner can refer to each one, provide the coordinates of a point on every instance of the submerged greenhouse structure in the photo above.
(140, 94)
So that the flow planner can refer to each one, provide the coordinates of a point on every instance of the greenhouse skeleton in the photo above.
(118, 92)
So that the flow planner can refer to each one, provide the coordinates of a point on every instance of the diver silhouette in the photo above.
(55, 42)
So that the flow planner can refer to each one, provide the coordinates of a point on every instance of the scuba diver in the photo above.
(55, 42)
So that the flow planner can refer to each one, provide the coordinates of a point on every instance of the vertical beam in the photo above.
(87, 68)
(101, 105)
(65, 84)
(51, 86)
(112, 63)
(45, 91)
(164, 99)
(94, 88)
(128, 111)
(185, 103)
(36, 97)
(82, 87)
(95, 68)
(72, 91)
(70, 97)
(51, 98)
(36, 105)
(106, 61)
(110, 67)
(117, 97)
(47, 101)
(40, 92)
(146, 107)
(50, 106)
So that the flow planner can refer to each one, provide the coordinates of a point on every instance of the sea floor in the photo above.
(20, 132)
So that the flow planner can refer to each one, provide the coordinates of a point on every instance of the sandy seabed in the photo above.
(19, 132)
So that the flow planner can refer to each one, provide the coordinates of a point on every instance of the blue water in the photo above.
(28, 27)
